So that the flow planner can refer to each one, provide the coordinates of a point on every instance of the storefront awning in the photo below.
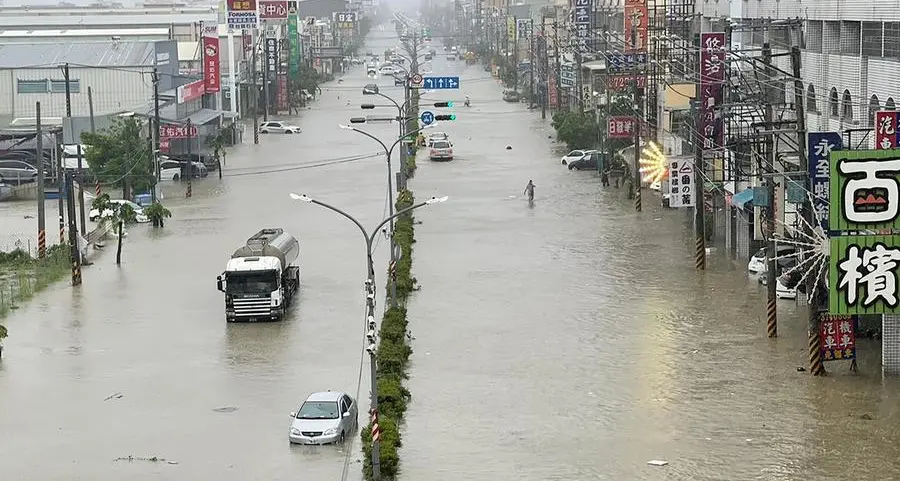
(741, 199)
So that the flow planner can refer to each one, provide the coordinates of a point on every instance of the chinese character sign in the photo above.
(820, 145)
(273, 9)
(523, 28)
(635, 26)
(510, 28)
(620, 127)
(712, 83)
(886, 136)
(293, 46)
(173, 131)
(681, 183)
(863, 275)
(864, 190)
(583, 18)
(345, 20)
(241, 14)
(837, 336)
(281, 95)
(211, 73)
(271, 57)
(619, 62)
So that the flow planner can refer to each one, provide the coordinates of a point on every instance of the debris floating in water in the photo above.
(225, 409)
(657, 462)
(117, 395)
(152, 459)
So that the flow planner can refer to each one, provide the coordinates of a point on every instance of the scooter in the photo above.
(466, 103)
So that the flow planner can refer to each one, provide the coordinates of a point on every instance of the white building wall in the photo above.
(114, 90)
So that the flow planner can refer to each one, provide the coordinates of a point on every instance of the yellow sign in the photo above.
(511, 28)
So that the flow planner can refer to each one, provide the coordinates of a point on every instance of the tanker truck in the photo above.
(260, 278)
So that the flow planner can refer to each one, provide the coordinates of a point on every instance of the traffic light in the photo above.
(443, 104)
(445, 117)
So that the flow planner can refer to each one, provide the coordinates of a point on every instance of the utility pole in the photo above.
(371, 337)
(771, 306)
(531, 63)
(91, 108)
(545, 74)
(190, 166)
(253, 38)
(699, 170)
(266, 66)
(154, 148)
(78, 152)
(42, 233)
(556, 56)
(579, 95)
(74, 253)
(638, 123)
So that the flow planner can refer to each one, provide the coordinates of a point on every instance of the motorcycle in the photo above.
(467, 103)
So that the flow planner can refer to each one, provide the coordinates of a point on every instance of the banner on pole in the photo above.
(212, 79)
(293, 45)
(636, 26)
(241, 14)
(712, 88)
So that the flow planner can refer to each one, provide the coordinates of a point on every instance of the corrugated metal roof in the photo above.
(93, 54)
(106, 32)
(106, 20)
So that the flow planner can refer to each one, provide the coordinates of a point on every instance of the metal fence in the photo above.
(16, 240)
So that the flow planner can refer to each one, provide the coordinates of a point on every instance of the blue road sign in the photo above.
(440, 83)
(427, 118)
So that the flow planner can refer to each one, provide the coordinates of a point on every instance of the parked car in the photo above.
(370, 89)
(386, 70)
(758, 265)
(435, 137)
(451, 56)
(324, 418)
(510, 95)
(573, 156)
(441, 150)
(399, 81)
(278, 127)
(95, 215)
(371, 70)
(173, 170)
(17, 172)
(208, 161)
(589, 161)
(429, 57)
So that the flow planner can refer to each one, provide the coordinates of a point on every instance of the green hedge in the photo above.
(393, 355)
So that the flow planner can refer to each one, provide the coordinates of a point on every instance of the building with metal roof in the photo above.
(118, 74)
(81, 35)
(182, 23)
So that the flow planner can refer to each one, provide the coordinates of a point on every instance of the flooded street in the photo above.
(570, 340)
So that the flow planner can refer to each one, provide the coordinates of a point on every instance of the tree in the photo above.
(576, 130)
(116, 213)
(120, 156)
(217, 143)
(157, 214)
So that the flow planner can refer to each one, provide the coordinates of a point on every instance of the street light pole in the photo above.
(388, 152)
(371, 335)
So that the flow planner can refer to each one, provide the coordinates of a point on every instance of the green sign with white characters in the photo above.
(294, 46)
(863, 275)
(864, 191)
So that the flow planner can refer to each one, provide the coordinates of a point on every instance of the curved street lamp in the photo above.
(388, 152)
(370, 299)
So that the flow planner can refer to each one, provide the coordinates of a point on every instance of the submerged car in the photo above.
(95, 215)
(441, 150)
(758, 265)
(573, 156)
(589, 161)
(278, 127)
(437, 136)
(324, 418)
(370, 89)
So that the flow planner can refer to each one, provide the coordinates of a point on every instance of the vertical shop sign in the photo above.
(681, 183)
(886, 131)
(837, 336)
(712, 82)
(212, 79)
(636, 26)
(241, 14)
(281, 94)
(820, 145)
(293, 45)
(271, 57)
(583, 18)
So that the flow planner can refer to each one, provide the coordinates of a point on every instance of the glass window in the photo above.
(31, 86)
(59, 86)
(871, 39)
(318, 410)
(260, 282)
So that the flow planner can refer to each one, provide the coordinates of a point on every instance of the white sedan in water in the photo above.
(95, 215)
(573, 156)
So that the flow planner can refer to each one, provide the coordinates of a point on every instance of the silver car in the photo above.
(324, 418)
(276, 127)
(16, 172)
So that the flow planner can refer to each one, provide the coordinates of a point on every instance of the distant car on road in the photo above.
(370, 89)
(441, 150)
(386, 70)
(758, 265)
(573, 156)
(324, 418)
(171, 170)
(510, 95)
(277, 127)
(95, 215)
(432, 138)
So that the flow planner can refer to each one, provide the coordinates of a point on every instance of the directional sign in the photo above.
(427, 118)
(440, 83)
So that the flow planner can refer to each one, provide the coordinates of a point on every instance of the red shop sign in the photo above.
(837, 337)
(622, 82)
(191, 91)
(621, 127)
(211, 62)
(172, 131)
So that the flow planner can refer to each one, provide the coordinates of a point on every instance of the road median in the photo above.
(393, 354)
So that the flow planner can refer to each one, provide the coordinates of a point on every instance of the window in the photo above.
(871, 39)
(814, 36)
(833, 103)
(31, 86)
(874, 106)
(847, 106)
(811, 104)
(59, 86)
(889, 104)
(892, 39)
(850, 38)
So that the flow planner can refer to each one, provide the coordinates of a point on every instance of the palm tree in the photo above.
(157, 214)
(118, 214)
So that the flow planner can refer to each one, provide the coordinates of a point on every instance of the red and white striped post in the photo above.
(376, 431)
(97, 190)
